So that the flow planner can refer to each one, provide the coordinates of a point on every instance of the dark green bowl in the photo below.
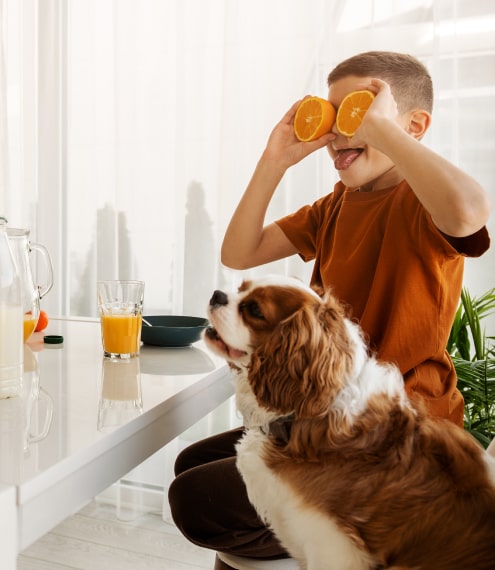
(172, 330)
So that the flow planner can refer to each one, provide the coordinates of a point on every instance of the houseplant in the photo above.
(473, 355)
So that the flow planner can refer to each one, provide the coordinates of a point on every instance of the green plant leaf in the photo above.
(473, 356)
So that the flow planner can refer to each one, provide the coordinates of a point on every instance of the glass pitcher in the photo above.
(31, 292)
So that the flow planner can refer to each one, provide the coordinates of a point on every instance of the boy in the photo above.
(390, 241)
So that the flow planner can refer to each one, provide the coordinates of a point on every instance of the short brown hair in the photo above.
(409, 79)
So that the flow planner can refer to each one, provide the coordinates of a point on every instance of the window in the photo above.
(134, 127)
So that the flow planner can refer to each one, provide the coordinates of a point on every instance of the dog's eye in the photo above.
(253, 309)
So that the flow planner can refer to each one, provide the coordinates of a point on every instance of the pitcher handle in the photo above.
(45, 287)
(41, 434)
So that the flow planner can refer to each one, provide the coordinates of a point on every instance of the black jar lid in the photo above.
(53, 339)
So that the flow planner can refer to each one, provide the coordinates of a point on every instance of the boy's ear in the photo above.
(419, 121)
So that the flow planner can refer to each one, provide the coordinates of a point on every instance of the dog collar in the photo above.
(281, 429)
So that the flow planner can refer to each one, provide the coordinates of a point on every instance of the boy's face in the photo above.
(361, 167)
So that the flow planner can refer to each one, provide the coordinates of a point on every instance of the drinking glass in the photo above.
(120, 304)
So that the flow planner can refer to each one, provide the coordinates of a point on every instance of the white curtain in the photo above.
(130, 128)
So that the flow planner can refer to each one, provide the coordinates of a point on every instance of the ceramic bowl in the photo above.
(172, 330)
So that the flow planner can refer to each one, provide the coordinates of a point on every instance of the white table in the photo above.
(42, 483)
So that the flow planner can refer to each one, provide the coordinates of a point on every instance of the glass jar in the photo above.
(11, 318)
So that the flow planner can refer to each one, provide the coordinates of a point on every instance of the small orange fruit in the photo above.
(314, 117)
(352, 110)
(42, 322)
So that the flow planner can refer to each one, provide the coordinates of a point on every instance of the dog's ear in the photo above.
(304, 361)
(319, 290)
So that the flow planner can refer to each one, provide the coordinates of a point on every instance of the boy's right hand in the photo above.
(285, 148)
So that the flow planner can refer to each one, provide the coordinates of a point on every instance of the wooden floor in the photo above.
(94, 539)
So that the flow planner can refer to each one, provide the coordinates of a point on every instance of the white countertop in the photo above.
(79, 456)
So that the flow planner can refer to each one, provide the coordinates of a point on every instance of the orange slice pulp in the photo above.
(314, 117)
(352, 110)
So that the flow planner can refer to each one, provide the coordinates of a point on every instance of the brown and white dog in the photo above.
(347, 471)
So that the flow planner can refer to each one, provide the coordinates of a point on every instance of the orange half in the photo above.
(352, 110)
(314, 117)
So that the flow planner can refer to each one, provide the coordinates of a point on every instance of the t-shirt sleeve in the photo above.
(474, 245)
(301, 228)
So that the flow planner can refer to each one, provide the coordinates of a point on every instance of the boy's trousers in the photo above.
(209, 503)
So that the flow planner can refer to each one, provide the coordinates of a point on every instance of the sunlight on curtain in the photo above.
(18, 190)
(133, 126)
(169, 105)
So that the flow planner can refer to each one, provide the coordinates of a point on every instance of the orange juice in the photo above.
(121, 333)
(29, 325)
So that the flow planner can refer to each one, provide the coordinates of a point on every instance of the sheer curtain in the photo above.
(130, 128)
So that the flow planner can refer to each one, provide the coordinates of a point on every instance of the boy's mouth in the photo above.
(345, 157)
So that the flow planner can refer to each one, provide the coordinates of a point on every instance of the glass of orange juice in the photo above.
(120, 304)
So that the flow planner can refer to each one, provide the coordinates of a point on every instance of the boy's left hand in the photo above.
(381, 111)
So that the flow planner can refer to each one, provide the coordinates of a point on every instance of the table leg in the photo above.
(8, 528)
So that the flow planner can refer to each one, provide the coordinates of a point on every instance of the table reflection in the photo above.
(24, 420)
(175, 361)
(121, 398)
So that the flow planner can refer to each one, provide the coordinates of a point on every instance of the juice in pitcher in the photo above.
(29, 325)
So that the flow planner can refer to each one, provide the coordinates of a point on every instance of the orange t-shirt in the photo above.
(401, 278)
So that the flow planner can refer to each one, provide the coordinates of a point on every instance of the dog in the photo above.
(348, 471)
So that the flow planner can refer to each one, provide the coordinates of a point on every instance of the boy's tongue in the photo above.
(346, 157)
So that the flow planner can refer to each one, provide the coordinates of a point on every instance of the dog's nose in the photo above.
(218, 298)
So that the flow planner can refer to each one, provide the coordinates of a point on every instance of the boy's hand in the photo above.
(382, 110)
(283, 145)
